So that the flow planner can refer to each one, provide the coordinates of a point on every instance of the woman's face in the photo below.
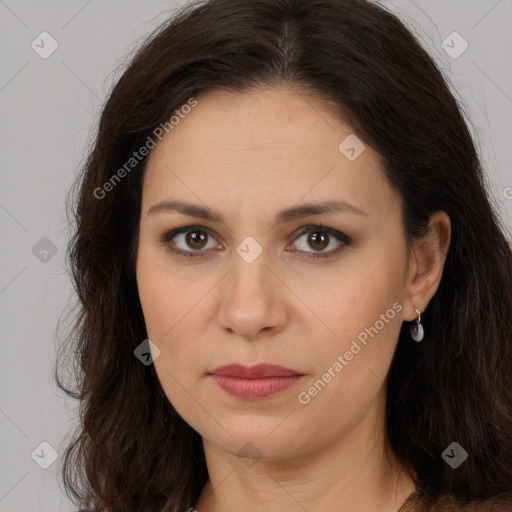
(249, 290)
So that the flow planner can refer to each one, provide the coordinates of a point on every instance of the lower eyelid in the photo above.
(332, 236)
(209, 235)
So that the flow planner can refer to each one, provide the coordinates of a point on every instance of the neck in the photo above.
(355, 473)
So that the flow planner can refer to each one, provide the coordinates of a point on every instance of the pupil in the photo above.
(191, 238)
(314, 237)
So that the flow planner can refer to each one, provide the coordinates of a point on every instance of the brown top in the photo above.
(447, 503)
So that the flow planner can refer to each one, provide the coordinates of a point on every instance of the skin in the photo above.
(247, 156)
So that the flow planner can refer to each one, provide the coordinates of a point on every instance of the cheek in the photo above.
(164, 298)
(351, 367)
(168, 306)
(360, 309)
(169, 314)
(156, 301)
(171, 305)
(351, 298)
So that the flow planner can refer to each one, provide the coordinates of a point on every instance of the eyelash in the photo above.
(341, 237)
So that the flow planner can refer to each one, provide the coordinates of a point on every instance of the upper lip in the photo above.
(257, 371)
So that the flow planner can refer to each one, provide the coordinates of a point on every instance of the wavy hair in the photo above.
(131, 450)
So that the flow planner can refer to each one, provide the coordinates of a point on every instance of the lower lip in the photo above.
(255, 388)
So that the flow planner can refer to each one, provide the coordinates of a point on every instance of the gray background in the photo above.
(49, 108)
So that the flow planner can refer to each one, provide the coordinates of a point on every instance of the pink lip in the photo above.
(251, 382)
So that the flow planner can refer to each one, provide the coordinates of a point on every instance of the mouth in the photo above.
(255, 382)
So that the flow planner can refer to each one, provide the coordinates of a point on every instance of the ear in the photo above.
(426, 264)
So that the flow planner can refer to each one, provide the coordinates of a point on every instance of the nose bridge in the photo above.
(250, 276)
(251, 301)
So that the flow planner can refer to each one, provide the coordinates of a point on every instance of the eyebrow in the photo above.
(287, 215)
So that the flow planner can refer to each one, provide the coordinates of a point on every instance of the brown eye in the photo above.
(190, 241)
(196, 239)
(318, 240)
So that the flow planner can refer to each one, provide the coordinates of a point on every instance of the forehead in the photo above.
(263, 143)
(279, 117)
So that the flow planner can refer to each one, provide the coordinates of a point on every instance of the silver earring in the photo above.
(417, 331)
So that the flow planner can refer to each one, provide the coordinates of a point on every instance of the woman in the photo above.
(294, 290)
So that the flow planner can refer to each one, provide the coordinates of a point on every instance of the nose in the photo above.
(253, 299)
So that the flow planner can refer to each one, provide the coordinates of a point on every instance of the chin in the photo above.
(261, 440)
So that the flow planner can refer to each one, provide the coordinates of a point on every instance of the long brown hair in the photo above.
(132, 451)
